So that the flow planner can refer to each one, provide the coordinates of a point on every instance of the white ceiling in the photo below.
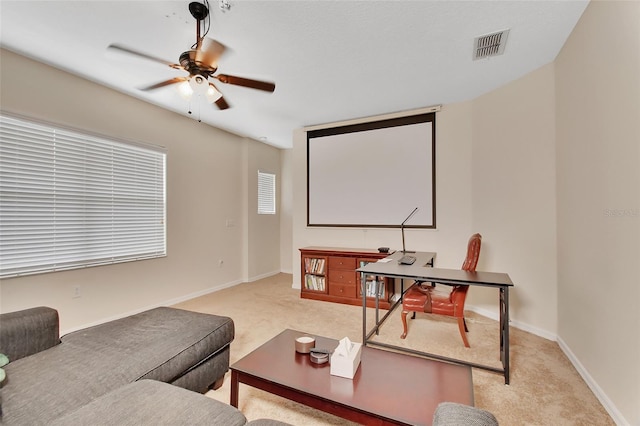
(330, 60)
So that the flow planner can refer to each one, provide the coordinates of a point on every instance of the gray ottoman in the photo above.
(185, 348)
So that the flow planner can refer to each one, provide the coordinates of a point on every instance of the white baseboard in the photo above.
(261, 276)
(165, 303)
(517, 324)
(608, 405)
(170, 302)
(200, 293)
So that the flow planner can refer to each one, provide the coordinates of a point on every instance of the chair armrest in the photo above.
(29, 331)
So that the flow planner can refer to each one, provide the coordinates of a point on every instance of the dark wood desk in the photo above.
(422, 271)
(388, 389)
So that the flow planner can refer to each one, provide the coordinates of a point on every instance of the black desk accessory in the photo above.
(407, 260)
(404, 250)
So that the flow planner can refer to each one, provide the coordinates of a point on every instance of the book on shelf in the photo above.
(371, 287)
(314, 265)
(314, 282)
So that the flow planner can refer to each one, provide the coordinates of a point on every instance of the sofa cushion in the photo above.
(161, 343)
(149, 402)
(267, 422)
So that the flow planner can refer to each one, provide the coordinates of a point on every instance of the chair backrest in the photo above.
(459, 292)
(473, 253)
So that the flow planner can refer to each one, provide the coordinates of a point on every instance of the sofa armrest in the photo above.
(26, 332)
(454, 414)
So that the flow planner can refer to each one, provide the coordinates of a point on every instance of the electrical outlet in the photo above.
(76, 292)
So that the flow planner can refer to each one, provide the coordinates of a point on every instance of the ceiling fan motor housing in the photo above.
(189, 63)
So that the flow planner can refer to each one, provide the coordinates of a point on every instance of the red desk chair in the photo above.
(425, 297)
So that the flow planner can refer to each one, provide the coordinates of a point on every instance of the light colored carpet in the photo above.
(545, 388)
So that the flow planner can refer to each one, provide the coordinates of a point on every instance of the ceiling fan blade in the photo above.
(246, 82)
(143, 55)
(209, 52)
(165, 83)
(221, 103)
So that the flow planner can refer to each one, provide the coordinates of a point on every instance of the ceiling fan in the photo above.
(201, 62)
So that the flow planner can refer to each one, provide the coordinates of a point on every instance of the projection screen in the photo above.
(372, 174)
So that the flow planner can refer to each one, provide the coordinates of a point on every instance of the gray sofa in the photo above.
(113, 373)
(454, 414)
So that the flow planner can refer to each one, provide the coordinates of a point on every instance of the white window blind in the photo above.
(71, 200)
(266, 193)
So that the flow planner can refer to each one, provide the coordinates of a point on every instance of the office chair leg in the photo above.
(462, 326)
(404, 324)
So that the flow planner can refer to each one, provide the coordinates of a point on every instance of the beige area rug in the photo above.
(545, 388)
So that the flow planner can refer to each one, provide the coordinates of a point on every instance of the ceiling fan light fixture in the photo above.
(185, 90)
(199, 84)
(212, 94)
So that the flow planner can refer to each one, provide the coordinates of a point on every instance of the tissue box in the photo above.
(345, 360)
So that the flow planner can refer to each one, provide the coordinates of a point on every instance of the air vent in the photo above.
(490, 44)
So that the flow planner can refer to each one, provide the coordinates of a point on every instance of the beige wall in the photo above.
(598, 190)
(210, 177)
(263, 259)
(514, 206)
(286, 211)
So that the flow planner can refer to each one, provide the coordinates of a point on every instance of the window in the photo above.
(266, 193)
(71, 200)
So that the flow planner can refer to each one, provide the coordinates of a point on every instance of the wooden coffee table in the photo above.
(388, 388)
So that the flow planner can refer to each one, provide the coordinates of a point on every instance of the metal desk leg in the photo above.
(363, 283)
(375, 289)
(504, 331)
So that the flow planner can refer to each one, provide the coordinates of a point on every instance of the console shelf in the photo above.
(329, 274)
